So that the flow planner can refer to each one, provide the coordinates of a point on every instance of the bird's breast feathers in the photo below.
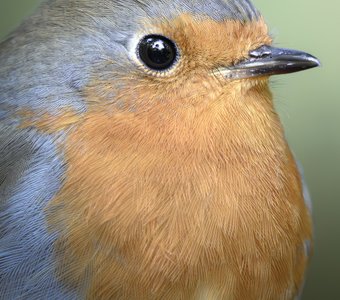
(182, 210)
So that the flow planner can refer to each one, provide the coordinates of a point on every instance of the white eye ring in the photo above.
(136, 55)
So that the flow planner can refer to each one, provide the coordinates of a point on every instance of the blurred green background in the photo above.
(309, 105)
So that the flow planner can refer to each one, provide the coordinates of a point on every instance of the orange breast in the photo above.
(204, 205)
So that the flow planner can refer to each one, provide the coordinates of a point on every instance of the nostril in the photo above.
(261, 52)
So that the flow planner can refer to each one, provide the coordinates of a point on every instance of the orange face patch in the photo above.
(204, 45)
(210, 44)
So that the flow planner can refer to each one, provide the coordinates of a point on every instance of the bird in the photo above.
(142, 158)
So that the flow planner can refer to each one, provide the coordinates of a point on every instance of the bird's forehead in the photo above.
(126, 16)
(129, 18)
(217, 10)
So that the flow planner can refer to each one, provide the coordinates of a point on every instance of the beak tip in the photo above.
(314, 62)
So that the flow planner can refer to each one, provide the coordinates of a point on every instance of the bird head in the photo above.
(160, 59)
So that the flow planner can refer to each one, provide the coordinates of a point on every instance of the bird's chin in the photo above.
(256, 82)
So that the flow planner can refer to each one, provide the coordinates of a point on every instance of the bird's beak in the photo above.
(268, 60)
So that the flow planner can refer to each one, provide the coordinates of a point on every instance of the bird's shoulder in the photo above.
(30, 175)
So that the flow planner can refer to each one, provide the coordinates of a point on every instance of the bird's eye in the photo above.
(157, 52)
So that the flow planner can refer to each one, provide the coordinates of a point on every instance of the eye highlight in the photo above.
(157, 52)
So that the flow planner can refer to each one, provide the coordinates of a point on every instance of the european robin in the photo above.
(141, 157)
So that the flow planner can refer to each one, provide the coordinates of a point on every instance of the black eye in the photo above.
(157, 52)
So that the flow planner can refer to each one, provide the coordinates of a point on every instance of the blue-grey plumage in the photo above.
(31, 173)
(45, 67)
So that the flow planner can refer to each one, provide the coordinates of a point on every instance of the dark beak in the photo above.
(268, 60)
